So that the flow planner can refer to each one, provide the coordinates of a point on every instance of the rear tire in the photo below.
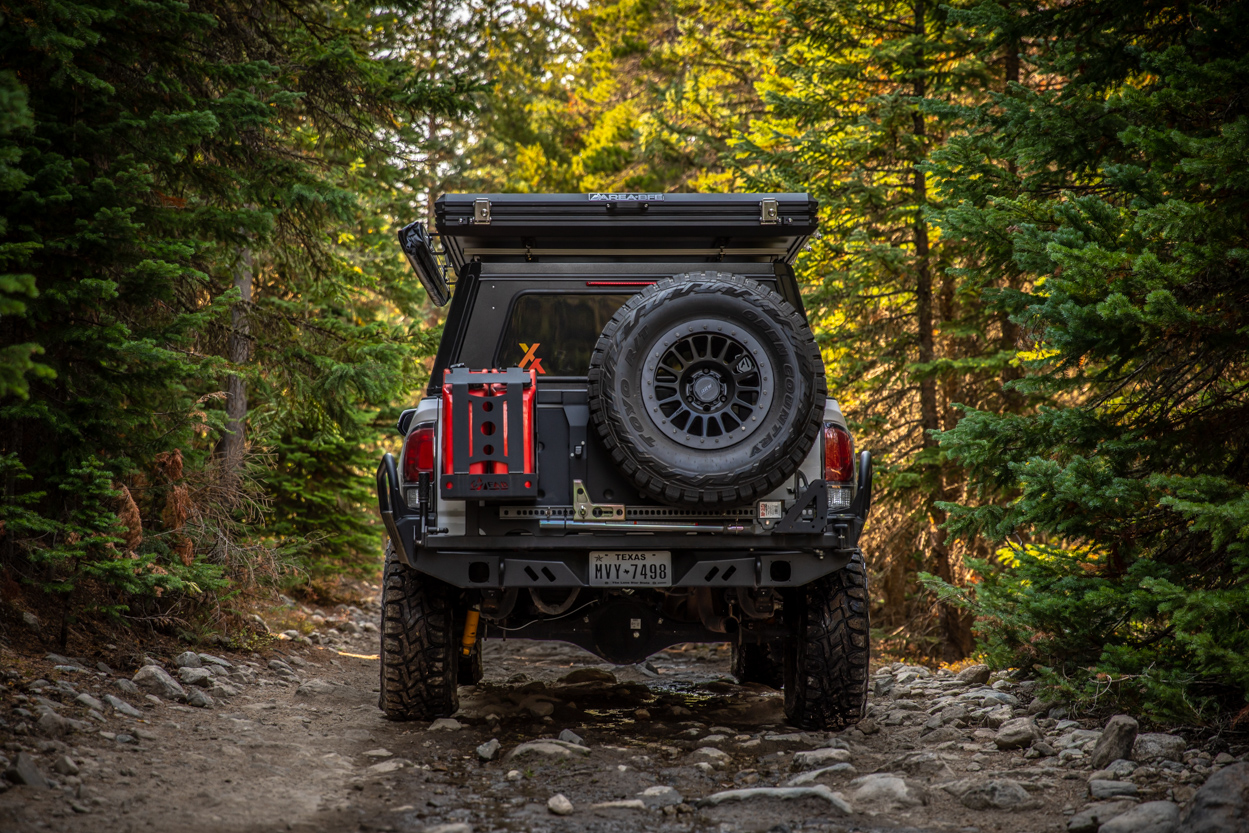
(419, 646)
(826, 660)
(755, 663)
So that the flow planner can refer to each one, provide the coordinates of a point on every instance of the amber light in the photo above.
(838, 454)
(418, 453)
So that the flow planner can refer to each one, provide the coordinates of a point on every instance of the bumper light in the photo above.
(839, 497)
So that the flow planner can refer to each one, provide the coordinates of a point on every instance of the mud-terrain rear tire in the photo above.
(707, 389)
(826, 673)
(420, 657)
(756, 663)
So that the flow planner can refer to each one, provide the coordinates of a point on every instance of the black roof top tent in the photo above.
(621, 227)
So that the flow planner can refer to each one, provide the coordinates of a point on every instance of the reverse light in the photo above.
(418, 453)
(838, 454)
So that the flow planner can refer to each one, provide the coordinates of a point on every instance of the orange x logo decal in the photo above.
(531, 359)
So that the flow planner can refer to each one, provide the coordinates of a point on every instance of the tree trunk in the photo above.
(954, 625)
(233, 442)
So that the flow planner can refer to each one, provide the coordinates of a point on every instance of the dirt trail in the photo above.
(302, 747)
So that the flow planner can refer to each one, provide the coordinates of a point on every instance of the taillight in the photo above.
(418, 453)
(838, 454)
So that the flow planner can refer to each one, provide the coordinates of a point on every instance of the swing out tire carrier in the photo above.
(626, 444)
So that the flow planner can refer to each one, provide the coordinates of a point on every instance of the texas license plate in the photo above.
(630, 569)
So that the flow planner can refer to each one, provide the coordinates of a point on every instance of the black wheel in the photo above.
(826, 658)
(755, 663)
(707, 389)
(420, 645)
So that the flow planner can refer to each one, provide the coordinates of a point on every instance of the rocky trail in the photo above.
(554, 740)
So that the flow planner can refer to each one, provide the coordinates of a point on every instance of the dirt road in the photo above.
(552, 740)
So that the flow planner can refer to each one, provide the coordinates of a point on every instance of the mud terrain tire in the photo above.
(420, 657)
(707, 389)
(755, 663)
(826, 672)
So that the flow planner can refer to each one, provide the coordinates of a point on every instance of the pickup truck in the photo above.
(626, 443)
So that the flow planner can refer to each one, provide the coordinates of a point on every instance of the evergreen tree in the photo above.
(861, 100)
(167, 143)
(1116, 194)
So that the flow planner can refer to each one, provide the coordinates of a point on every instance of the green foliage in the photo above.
(1116, 197)
(147, 149)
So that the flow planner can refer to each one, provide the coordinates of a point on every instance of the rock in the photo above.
(1101, 790)
(65, 765)
(154, 680)
(320, 688)
(569, 736)
(540, 708)
(820, 757)
(868, 726)
(457, 827)
(785, 793)
(883, 791)
(1095, 815)
(31, 620)
(709, 754)
(658, 796)
(816, 774)
(514, 775)
(1116, 771)
(53, 725)
(1116, 741)
(445, 724)
(385, 767)
(1043, 749)
(188, 659)
(998, 717)
(1150, 817)
(588, 675)
(378, 753)
(89, 701)
(1153, 746)
(974, 675)
(625, 804)
(548, 748)
(195, 676)
(559, 805)
(126, 687)
(994, 794)
(199, 699)
(124, 738)
(217, 661)
(1222, 804)
(488, 750)
(918, 763)
(24, 771)
(1017, 733)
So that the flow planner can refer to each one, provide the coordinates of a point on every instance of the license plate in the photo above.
(630, 569)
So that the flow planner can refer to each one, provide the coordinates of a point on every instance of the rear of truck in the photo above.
(626, 444)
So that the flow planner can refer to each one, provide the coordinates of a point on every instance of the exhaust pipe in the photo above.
(721, 624)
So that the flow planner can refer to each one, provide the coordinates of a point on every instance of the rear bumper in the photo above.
(560, 558)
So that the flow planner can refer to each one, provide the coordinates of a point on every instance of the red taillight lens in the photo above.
(838, 454)
(418, 453)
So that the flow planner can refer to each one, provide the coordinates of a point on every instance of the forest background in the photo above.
(1030, 291)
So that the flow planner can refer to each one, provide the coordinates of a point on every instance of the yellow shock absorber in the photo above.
(470, 632)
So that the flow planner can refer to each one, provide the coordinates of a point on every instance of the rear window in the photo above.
(555, 333)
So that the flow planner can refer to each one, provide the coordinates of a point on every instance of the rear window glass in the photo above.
(555, 334)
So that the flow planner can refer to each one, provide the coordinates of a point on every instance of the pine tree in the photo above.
(859, 104)
(1116, 196)
(163, 141)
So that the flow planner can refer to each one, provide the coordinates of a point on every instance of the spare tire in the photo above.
(708, 389)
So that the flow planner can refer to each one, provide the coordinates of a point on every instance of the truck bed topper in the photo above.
(695, 228)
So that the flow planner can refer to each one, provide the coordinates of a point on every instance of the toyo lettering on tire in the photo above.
(708, 390)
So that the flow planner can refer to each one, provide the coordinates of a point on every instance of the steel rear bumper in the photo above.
(562, 560)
